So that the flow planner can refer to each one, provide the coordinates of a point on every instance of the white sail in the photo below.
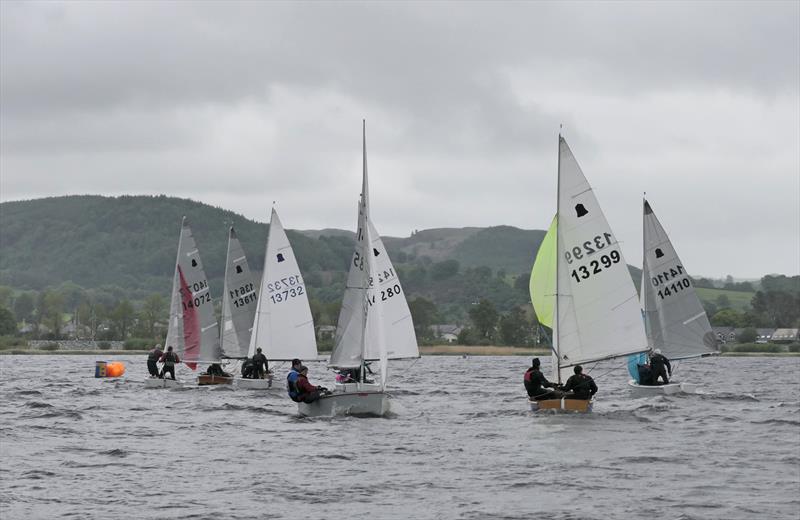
(192, 326)
(239, 300)
(674, 317)
(283, 327)
(598, 315)
(347, 347)
(395, 325)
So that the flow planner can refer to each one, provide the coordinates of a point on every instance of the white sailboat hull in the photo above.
(650, 390)
(257, 384)
(155, 382)
(348, 399)
(561, 405)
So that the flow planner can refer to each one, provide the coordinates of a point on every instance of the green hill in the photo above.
(739, 300)
(129, 242)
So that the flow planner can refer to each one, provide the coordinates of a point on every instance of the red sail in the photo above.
(191, 325)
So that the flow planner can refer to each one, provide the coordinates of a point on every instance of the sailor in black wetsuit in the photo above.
(535, 383)
(261, 364)
(659, 365)
(581, 385)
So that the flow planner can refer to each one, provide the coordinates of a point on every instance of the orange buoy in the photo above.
(115, 368)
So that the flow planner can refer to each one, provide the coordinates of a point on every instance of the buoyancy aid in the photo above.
(291, 385)
(169, 359)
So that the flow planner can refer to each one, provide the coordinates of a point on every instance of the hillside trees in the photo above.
(484, 318)
(514, 328)
(424, 314)
(8, 323)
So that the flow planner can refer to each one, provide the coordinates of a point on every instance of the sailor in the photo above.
(581, 385)
(308, 393)
(291, 380)
(215, 369)
(535, 382)
(248, 369)
(659, 365)
(169, 359)
(152, 359)
(261, 364)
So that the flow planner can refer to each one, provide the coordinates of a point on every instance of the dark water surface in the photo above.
(460, 444)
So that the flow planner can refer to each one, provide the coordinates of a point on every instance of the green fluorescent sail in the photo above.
(543, 277)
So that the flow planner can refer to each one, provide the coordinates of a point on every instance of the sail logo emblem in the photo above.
(659, 253)
(581, 211)
(280, 257)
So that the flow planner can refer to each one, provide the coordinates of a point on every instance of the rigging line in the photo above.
(623, 367)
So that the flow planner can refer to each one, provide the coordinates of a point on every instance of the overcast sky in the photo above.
(240, 104)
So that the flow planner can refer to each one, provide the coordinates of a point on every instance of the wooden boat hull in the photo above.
(651, 390)
(256, 384)
(205, 379)
(561, 405)
(155, 382)
(348, 399)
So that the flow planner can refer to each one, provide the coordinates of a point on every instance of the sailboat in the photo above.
(675, 320)
(580, 285)
(283, 327)
(193, 330)
(239, 300)
(374, 322)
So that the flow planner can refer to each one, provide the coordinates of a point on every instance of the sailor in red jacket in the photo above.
(308, 392)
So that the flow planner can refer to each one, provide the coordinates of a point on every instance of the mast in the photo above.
(365, 249)
(558, 261)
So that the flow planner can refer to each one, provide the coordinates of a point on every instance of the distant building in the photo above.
(446, 332)
(725, 334)
(786, 336)
(764, 335)
(326, 331)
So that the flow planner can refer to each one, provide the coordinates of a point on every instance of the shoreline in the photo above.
(432, 350)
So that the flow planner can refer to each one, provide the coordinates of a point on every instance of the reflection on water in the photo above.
(459, 443)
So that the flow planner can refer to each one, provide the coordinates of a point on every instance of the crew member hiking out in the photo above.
(152, 359)
(308, 393)
(536, 384)
(581, 385)
(169, 359)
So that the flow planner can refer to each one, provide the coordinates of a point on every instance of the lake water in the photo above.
(460, 443)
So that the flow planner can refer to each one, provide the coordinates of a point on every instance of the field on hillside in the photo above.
(740, 300)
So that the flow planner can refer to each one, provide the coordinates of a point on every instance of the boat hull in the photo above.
(648, 390)
(155, 382)
(348, 399)
(256, 384)
(205, 379)
(561, 405)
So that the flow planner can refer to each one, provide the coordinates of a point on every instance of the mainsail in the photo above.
(596, 313)
(395, 325)
(192, 330)
(283, 327)
(239, 300)
(674, 317)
